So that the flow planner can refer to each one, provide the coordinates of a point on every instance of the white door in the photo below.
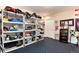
(49, 28)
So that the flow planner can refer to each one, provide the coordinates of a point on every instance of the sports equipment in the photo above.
(8, 8)
(19, 11)
(15, 20)
(12, 28)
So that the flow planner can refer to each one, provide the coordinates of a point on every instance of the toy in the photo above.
(16, 26)
(12, 28)
(29, 40)
(36, 16)
(39, 17)
(19, 35)
(20, 19)
(30, 27)
(39, 37)
(8, 8)
(19, 11)
(26, 41)
(6, 28)
(27, 14)
(33, 38)
(41, 32)
(19, 43)
(15, 20)
(27, 34)
(10, 37)
(7, 37)
(32, 33)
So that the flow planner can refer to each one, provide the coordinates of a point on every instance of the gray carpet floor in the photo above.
(48, 45)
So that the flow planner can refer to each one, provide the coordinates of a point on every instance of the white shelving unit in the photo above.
(10, 32)
(13, 40)
(23, 24)
(12, 22)
(34, 29)
(30, 43)
(30, 30)
(40, 25)
(30, 23)
(13, 48)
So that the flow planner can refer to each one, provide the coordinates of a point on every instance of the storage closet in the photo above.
(17, 30)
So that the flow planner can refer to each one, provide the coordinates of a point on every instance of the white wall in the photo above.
(64, 15)
(49, 28)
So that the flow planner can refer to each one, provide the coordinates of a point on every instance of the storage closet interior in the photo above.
(19, 29)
